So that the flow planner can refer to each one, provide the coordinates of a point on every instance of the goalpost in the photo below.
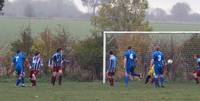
(176, 38)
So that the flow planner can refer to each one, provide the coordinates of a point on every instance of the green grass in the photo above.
(93, 91)
(11, 27)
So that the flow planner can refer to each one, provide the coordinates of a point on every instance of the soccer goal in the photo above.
(178, 46)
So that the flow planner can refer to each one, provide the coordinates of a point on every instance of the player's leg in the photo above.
(156, 75)
(112, 79)
(34, 78)
(18, 81)
(127, 72)
(196, 76)
(133, 73)
(109, 77)
(161, 77)
(53, 78)
(23, 78)
(60, 72)
(31, 77)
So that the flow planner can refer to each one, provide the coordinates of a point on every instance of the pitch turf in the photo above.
(93, 91)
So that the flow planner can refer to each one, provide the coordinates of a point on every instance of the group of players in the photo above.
(35, 64)
(156, 70)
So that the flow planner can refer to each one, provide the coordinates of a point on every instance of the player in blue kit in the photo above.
(130, 64)
(158, 62)
(18, 62)
(112, 68)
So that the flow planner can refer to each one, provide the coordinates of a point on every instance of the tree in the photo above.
(88, 53)
(91, 5)
(1, 4)
(24, 43)
(122, 15)
(158, 14)
(180, 11)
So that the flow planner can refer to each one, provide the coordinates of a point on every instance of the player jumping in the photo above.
(130, 65)
(112, 68)
(18, 61)
(56, 66)
(196, 72)
(35, 66)
(158, 62)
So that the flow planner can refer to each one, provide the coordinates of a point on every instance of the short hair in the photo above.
(59, 49)
(157, 47)
(18, 51)
(129, 47)
(111, 52)
(198, 56)
(37, 53)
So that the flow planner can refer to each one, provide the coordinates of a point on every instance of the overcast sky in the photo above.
(167, 4)
(164, 4)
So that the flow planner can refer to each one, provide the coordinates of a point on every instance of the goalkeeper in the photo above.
(150, 75)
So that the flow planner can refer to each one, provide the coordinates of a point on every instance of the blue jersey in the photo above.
(18, 60)
(130, 57)
(112, 63)
(158, 58)
(56, 60)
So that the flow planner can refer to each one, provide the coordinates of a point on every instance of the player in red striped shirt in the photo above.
(35, 66)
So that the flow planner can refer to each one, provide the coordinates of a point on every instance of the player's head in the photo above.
(60, 50)
(18, 51)
(111, 52)
(37, 53)
(129, 47)
(156, 47)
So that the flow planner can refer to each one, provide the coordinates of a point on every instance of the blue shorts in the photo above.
(19, 70)
(158, 70)
(130, 69)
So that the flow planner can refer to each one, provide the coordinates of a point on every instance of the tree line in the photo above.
(180, 12)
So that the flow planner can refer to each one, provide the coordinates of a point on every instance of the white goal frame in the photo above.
(134, 32)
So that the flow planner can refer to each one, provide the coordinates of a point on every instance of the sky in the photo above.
(167, 4)
(164, 4)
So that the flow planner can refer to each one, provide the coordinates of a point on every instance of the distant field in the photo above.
(93, 91)
(10, 27)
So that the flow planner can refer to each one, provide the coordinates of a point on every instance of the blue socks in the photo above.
(22, 80)
(126, 81)
(156, 83)
(162, 81)
(18, 82)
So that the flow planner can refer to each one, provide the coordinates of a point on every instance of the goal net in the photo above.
(180, 47)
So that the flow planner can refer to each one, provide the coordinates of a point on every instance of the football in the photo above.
(169, 61)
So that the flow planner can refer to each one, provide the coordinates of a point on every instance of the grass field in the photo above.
(10, 27)
(93, 91)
